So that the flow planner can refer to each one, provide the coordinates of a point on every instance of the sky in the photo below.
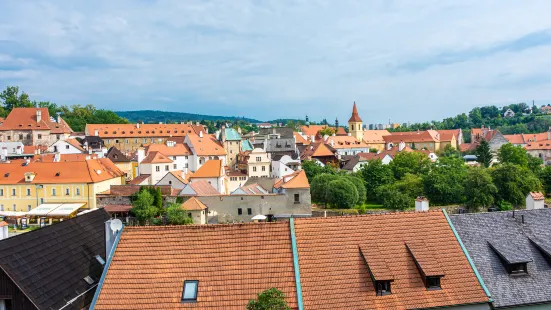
(400, 60)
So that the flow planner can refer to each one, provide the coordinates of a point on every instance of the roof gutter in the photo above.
(296, 265)
(468, 256)
(105, 269)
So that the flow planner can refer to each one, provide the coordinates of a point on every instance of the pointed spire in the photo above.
(355, 116)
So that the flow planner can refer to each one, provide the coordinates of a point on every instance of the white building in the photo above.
(156, 165)
(346, 145)
(236, 179)
(284, 165)
(214, 173)
(535, 200)
(176, 179)
(258, 164)
(204, 147)
(179, 153)
(509, 113)
(68, 146)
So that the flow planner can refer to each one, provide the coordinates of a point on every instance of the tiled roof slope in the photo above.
(206, 145)
(144, 130)
(116, 156)
(49, 264)
(375, 136)
(179, 149)
(193, 204)
(232, 134)
(211, 169)
(502, 229)
(355, 116)
(156, 158)
(335, 276)
(233, 263)
(25, 119)
(76, 144)
(296, 179)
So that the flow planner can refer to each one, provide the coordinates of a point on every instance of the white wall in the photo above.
(63, 148)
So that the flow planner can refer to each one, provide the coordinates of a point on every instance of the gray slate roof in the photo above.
(512, 238)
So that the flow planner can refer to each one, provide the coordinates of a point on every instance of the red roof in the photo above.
(355, 116)
(26, 119)
(537, 196)
(117, 208)
(156, 158)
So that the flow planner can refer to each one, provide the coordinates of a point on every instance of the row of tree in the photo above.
(448, 181)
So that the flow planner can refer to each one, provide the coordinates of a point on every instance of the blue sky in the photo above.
(403, 60)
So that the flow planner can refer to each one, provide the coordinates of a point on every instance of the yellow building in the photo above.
(418, 140)
(24, 185)
(355, 124)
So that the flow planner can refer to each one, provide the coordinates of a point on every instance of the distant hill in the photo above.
(150, 116)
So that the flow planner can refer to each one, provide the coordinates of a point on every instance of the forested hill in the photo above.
(150, 116)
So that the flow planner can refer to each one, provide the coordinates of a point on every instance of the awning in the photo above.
(66, 209)
(12, 213)
(43, 209)
(259, 217)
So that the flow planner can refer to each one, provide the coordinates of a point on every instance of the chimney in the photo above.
(200, 134)
(350, 134)
(197, 124)
(112, 228)
(160, 123)
(421, 204)
(3, 230)
(239, 130)
(141, 154)
(138, 125)
(401, 146)
(223, 133)
(38, 115)
(4, 153)
(27, 161)
(96, 132)
(104, 150)
(58, 118)
(313, 138)
(57, 157)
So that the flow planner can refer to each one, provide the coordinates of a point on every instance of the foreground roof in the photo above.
(334, 273)
(49, 265)
(233, 263)
(480, 231)
(211, 169)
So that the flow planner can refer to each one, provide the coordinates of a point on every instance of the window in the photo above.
(39, 136)
(175, 166)
(383, 288)
(67, 147)
(100, 260)
(259, 158)
(231, 151)
(116, 140)
(167, 168)
(189, 293)
(433, 283)
(29, 207)
(1, 207)
(254, 169)
(239, 211)
(186, 165)
(28, 136)
(297, 198)
(78, 191)
(185, 157)
(169, 182)
(13, 191)
(53, 192)
(9, 138)
(67, 192)
(126, 141)
(20, 137)
(263, 168)
(13, 207)
(28, 191)
(157, 168)
(1, 192)
(249, 211)
(520, 268)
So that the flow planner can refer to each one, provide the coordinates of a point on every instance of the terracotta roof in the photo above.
(211, 169)
(236, 174)
(202, 188)
(206, 146)
(312, 130)
(355, 116)
(448, 134)
(466, 147)
(26, 119)
(413, 136)
(317, 149)
(537, 196)
(76, 144)
(89, 171)
(345, 142)
(144, 130)
(63, 157)
(116, 156)
(233, 263)
(540, 145)
(179, 149)
(516, 138)
(117, 208)
(375, 136)
(156, 158)
(193, 204)
(139, 179)
(296, 179)
(299, 139)
(253, 189)
(333, 272)
(33, 149)
(180, 175)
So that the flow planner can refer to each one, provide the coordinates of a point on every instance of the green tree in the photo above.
(393, 199)
(483, 154)
(411, 185)
(514, 182)
(409, 162)
(312, 168)
(480, 189)
(444, 183)
(158, 200)
(270, 299)
(342, 194)
(143, 207)
(545, 177)
(10, 98)
(375, 174)
(534, 163)
(511, 154)
(326, 131)
(450, 151)
(177, 216)
(319, 187)
(360, 187)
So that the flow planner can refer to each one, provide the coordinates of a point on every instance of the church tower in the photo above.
(355, 125)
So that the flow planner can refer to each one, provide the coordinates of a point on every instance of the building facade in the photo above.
(33, 126)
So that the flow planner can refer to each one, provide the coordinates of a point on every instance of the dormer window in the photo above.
(189, 293)
(426, 263)
(512, 257)
(380, 274)
(383, 288)
(433, 283)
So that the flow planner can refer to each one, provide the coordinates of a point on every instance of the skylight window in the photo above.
(100, 260)
(189, 293)
(89, 280)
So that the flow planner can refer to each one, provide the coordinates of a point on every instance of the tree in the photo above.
(480, 189)
(158, 200)
(409, 162)
(10, 98)
(483, 154)
(313, 168)
(444, 183)
(374, 175)
(270, 299)
(393, 199)
(143, 207)
(514, 182)
(545, 177)
(411, 185)
(450, 151)
(342, 194)
(512, 154)
(360, 187)
(320, 185)
(177, 216)
(327, 131)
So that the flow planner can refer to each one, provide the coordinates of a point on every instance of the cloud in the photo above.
(404, 60)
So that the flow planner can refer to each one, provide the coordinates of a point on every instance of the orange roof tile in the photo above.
(63, 157)
(355, 116)
(345, 142)
(447, 135)
(299, 139)
(537, 196)
(142, 130)
(88, 171)
(156, 158)
(26, 119)
(540, 145)
(206, 146)
(333, 273)
(312, 130)
(296, 179)
(413, 136)
(317, 149)
(375, 136)
(233, 263)
(193, 204)
(139, 179)
(179, 149)
(211, 169)
(203, 188)
(180, 175)
(76, 144)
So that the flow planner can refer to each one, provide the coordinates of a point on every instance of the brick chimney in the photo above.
(38, 115)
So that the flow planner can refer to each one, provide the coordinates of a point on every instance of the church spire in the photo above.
(355, 116)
